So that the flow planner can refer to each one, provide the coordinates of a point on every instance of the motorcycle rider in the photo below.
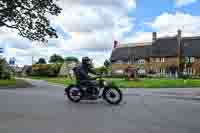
(83, 78)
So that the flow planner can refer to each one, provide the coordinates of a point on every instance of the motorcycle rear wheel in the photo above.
(74, 93)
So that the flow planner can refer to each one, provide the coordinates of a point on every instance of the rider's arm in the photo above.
(92, 71)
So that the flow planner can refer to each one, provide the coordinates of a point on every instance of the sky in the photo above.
(89, 27)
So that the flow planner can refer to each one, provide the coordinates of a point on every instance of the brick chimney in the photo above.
(179, 34)
(179, 38)
(154, 36)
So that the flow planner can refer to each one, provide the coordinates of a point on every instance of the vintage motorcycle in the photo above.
(105, 89)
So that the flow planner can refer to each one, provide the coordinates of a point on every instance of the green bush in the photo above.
(46, 70)
(185, 76)
(5, 71)
(6, 75)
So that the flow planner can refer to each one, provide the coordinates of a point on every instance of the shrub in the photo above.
(5, 70)
(142, 76)
(46, 70)
(6, 75)
(185, 76)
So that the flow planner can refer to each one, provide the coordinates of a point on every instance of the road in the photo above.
(43, 109)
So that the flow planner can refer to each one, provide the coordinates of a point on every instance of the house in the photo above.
(66, 68)
(17, 70)
(163, 56)
(135, 56)
(172, 53)
(26, 70)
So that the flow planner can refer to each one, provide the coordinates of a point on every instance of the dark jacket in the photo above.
(82, 73)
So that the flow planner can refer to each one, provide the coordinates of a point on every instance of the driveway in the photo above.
(43, 109)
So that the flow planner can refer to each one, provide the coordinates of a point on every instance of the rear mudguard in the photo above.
(70, 86)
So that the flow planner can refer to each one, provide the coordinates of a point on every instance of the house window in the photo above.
(192, 59)
(162, 71)
(119, 71)
(162, 59)
(119, 62)
(189, 71)
(141, 61)
(189, 59)
(141, 71)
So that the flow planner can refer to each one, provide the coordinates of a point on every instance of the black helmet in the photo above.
(86, 61)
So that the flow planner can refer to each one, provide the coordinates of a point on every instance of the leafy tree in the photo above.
(101, 70)
(71, 59)
(107, 63)
(56, 59)
(29, 17)
(107, 66)
(41, 61)
(5, 71)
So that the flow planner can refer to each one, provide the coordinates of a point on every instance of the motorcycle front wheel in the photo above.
(112, 95)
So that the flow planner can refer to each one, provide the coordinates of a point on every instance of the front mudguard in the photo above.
(109, 86)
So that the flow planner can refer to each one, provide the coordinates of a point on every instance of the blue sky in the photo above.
(88, 28)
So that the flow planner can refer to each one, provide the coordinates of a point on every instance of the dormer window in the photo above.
(119, 62)
(189, 59)
(141, 61)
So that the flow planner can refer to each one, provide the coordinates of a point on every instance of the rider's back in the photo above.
(81, 73)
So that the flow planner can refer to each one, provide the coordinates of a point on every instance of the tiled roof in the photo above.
(165, 47)
(162, 47)
(191, 46)
(125, 53)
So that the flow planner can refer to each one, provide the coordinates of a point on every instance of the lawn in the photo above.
(7, 83)
(14, 83)
(141, 83)
(58, 80)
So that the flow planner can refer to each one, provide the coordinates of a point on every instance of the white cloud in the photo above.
(92, 26)
(88, 17)
(169, 23)
(180, 3)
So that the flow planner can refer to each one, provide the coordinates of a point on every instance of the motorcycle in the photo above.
(105, 89)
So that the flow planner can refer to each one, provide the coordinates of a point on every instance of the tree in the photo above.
(70, 59)
(56, 59)
(107, 63)
(5, 71)
(41, 61)
(29, 17)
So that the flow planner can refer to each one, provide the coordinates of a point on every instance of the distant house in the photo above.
(17, 70)
(67, 68)
(26, 70)
(162, 56)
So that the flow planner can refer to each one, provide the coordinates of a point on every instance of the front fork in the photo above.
(101, 91)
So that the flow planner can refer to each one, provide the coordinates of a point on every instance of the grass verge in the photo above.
(13, 84)
(141, 83)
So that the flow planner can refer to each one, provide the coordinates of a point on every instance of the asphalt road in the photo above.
(43, 109)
